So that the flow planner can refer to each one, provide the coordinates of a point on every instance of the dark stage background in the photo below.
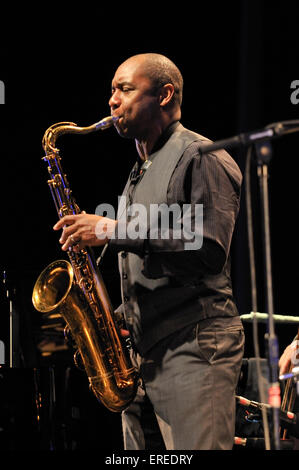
(238, 60)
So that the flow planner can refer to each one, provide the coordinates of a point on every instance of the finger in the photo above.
(71, 242)
(68, 232)
(67, 244)
(66, 220)
(75, 230)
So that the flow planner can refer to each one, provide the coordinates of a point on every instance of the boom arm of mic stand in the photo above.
(269, 132)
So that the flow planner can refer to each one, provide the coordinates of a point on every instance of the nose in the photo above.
(114, 101)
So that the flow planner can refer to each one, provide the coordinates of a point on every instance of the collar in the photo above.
(164, 136)
(141, 166)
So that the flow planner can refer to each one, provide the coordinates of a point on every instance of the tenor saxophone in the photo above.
(75, 289)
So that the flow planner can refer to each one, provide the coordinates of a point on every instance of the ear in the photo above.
(165, 94)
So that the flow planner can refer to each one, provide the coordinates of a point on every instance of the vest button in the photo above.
(126, 298)
(125, 276)
(124, 254)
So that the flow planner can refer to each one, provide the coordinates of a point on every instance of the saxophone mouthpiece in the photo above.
(106, 122)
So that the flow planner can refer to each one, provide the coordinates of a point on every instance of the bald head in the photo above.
(146, 97)
(160, 70)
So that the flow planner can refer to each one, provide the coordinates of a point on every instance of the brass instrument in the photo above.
(76, 290)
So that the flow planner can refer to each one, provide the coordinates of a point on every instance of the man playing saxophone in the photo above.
(187, 337)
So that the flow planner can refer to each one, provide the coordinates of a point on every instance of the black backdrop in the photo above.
(238, 60)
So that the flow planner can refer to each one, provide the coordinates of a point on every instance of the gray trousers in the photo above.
(187, 399)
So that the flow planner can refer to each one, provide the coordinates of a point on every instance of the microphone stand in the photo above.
(261, 140)
(14, 333)
(264, 155)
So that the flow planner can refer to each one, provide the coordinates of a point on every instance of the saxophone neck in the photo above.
(60, 128)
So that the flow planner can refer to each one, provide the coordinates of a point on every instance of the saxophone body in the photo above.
(75, 289)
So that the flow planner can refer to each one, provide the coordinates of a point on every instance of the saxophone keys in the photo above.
(86, 284)
(77, 358)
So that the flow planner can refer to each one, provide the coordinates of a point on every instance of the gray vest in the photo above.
(151, 189)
